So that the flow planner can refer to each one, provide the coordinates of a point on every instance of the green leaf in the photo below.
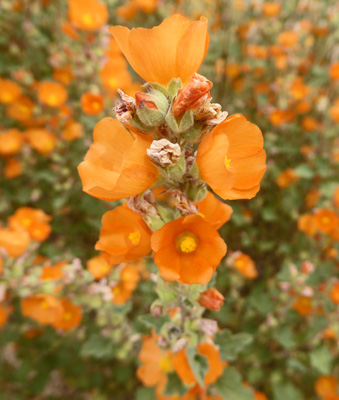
(230, 386)
(174, 386)
(321, 359)
(231, 345)
(145, 323)
(286, 391)
(198, 364)
(304, 171)
(99, 347)
(285, 337)
(145, 394)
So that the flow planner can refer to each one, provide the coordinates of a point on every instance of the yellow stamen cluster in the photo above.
(187, 242)
(134, 237)
(227, 162)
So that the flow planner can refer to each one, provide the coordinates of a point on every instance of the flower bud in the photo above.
(211, 299)
(151, 107)
(193, 95)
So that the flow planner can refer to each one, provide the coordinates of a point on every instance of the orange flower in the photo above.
(174, 49)
(326, 220)
(246, 266)
(147, 6)
(52, 272)
(99, 267)
(63, 75)
(116, 165)
(42, 140)
(72, 131)
(127, 11)
(288, 38)
(231, 158)
(334, 293)
(12, 168)
(336, 197)
(124, 235)
(215, 370)
(211, 299)
(214, 211)
(334, 111)
(53, 94)
(271, 9)
(286, 178)
(43, 308)
(34, 221)
(187, 250)
(309, 124)
(260, 396)
(71, 316)
(326, 386)
(114, 75)
(88, 15)
(9, 91)
(129, 276)
(334, 71)
(121, 294)
(306, 224)
(303, 306)
(156, 363)
(92, 104)
(21, 109)
(15, 242)
(4, 313)
(10, 142)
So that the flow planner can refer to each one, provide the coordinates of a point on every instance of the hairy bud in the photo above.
(151, 107)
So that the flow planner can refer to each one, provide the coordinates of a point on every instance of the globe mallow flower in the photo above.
(174, 49)
(124, 236)
(231, 158)
(187, 250)
(116, 166)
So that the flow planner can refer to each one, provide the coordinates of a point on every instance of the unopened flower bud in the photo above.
(125, 110)
(211, 299)
(164, 153)
(151, 107)
(209, 326)
(193, 95)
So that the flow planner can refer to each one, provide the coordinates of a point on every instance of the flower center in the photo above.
(67, 316)
(325, 220)
(166, 364)
(227, 162)
(44, 305)
(134, 237)
(87, 19)
(187, 242)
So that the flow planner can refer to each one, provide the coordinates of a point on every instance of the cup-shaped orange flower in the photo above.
(174, 49)
(188, 250)
(124, 235)
(34, 221)
(215, 364)
(43, 308)
(71, 316)
(88, 15)
(116, 165)
(14, 241)
(231, 158)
